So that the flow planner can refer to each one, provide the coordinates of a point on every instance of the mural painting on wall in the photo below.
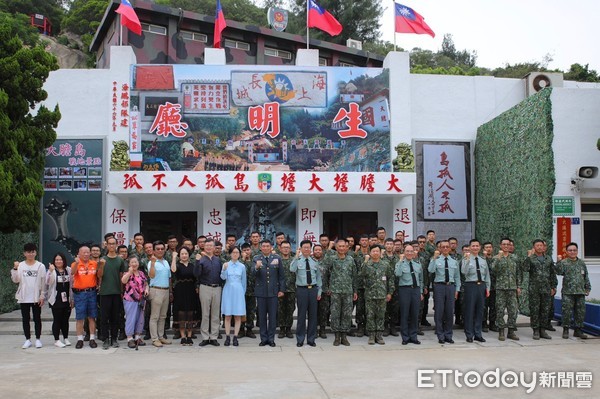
(238, 118)
(266, 217)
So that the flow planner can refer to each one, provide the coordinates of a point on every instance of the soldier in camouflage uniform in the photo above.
(341, 285)
(542, 286)
(505, 267)
(250, 298)
(423, 258)
(359, 258)
(255, 239)
(575, 287)
(325, 301)
(287, 303)
(392, 309)
(279, 239)
(136, 246)
(489, 311)
(378, 279)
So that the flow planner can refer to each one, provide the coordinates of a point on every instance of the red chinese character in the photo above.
(168, 121)
(120, 237)
(392, 184)
(118, 216)
(186, 180)
(445, 183)
(214, 217)
(265, 118)
(158, 183)
(79, 150)
(402, 216)
(309, 214)
(314, 183)
(354, 121)
(444, 160)
(368, 117)
(341, 182)
(309, 235)
(255, 83)
(367, 182)
(131, 182)
(444, 207)
(124, 87)
(239, 182)
(212, 181)
(304, 94)
(65, 150)
(288, 182)
(51, 151)
(243, 94)
(216, 236)
(319, 82)
(445, 173)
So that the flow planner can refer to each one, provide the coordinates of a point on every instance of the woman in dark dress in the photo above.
(185, 296)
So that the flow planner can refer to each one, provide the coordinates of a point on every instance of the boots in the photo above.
(501, 336)
(281, 333)
(249, 333)
(336, 341)
(242, 332)
(579, 334)
(288, 332)
(393, 331)
(322, 333)
(512, 335)
(386, 332)
(344, 340)
(565, 333)
(536, 334)
(544, 334)
(379, 339)
(371, 339)
(360, 331)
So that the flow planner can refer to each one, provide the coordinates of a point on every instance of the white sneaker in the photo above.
(67, 342)
(27, 344)
(38, 343)
(59, 344)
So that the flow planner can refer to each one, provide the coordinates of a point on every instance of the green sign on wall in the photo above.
(563, 206)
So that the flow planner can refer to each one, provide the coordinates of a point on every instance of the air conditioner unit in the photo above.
(354, 44)
(537, 81)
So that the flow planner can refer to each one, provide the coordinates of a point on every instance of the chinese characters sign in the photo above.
(445, 182)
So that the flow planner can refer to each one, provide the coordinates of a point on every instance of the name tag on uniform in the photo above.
(274, 262)
(384, 278)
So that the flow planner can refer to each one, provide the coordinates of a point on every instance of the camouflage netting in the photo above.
(12, 250)
(514, 176)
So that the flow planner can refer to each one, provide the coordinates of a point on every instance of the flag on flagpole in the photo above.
(220, 24)
(128, 17)
(321, 19)
(409, 21)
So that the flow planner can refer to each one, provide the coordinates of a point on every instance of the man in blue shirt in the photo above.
(208, 273)
(308, 293)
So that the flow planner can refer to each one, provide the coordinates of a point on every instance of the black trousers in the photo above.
(267, 318)
(410, 302)
(307, 303)
(443, 300)
(474, 304)
(110, 308)
(26, 309)
(60, 322)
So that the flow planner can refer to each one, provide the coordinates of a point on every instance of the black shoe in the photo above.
(194, 336)
(177, 335)
(184, 341)
(93, 343)
(131, 344)
(227, 341)
(204, 343)
(87, 337)
(263, 344)
(441, 341)
(115, 343)
(420, 332)
(426, 323)
(415, 341)
(449, 340)
(551, 328)
(235, 341)
(272, 344)
(214, 342)
(250, 334)
(106, 344)
(299, 344)
(122, 336)
(479, 339)
(147, 336)
(79, 344)
(311, 344)
(219, 336)
(404, 342)
(469, 340)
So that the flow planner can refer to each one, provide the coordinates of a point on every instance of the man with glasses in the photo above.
(423, 258)
(505, 267)
(160, 288)
(447, 287)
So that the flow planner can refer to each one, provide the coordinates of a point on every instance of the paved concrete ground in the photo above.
(250, 371)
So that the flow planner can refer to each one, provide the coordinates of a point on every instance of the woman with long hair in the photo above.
(184, 294)
(60, 298)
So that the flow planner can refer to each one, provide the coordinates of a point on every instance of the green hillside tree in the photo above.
(24, 134)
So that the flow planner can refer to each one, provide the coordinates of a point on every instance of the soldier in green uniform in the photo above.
(392, 310)
(341, 285)
(250, 298)
(505, 266)
(325, 301)
(255, 243)
(359, 258)
(279, 239)
(489, 312)
(136, 246)
(575, 287)
(542, 286)
(378, 279)
(287, 303)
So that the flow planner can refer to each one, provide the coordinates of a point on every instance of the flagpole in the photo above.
(120, 31)
(394, 22)
(307, 29)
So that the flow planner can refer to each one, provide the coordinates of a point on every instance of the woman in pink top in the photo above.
(136, 288)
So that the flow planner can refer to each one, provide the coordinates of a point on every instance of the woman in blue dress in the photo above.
(233, 302)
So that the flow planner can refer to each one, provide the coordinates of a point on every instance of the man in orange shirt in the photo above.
(84, 285)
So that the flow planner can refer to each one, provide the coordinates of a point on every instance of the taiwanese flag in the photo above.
(220, 24)
(409, 21)
(129, 18)
(322, 19)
